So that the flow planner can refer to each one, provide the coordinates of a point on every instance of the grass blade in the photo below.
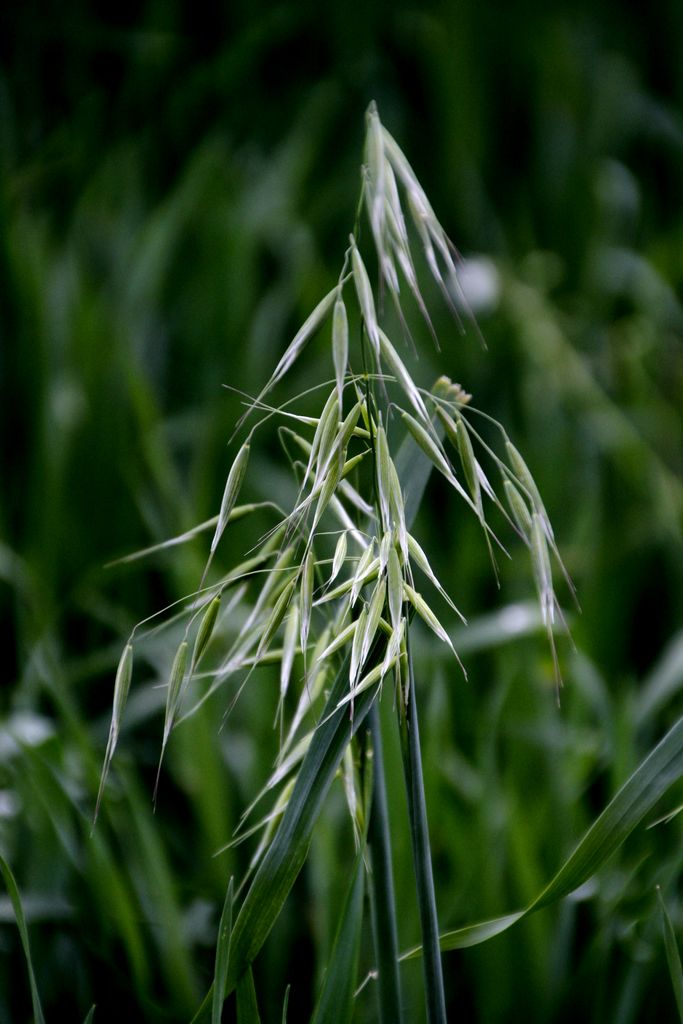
(382, 898)
(422, 858)
(673, 957)
(247, 1007)
(15, 899)
(286, 855)
(222, 957)
(335, 1002)
(651, 779)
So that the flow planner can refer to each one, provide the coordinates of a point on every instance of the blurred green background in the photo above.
(176, 190)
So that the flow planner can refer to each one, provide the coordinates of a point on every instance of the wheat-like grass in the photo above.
(350, 623)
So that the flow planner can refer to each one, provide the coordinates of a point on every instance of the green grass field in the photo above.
(176, 197)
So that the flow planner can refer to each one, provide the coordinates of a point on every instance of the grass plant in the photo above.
(310, 622)
(340, 587)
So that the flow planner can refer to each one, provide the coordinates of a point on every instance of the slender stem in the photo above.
(412, 767)
(383, 902)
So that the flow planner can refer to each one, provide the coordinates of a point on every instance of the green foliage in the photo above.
(15, 898)
(672, 955)
(166, 227)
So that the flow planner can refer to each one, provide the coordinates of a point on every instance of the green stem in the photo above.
(417, 810)
(383, 902)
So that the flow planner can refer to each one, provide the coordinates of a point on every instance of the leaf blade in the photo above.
(662, 767)
(222, 956)
(673, 956)
(15, 899)
(335, 1002)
